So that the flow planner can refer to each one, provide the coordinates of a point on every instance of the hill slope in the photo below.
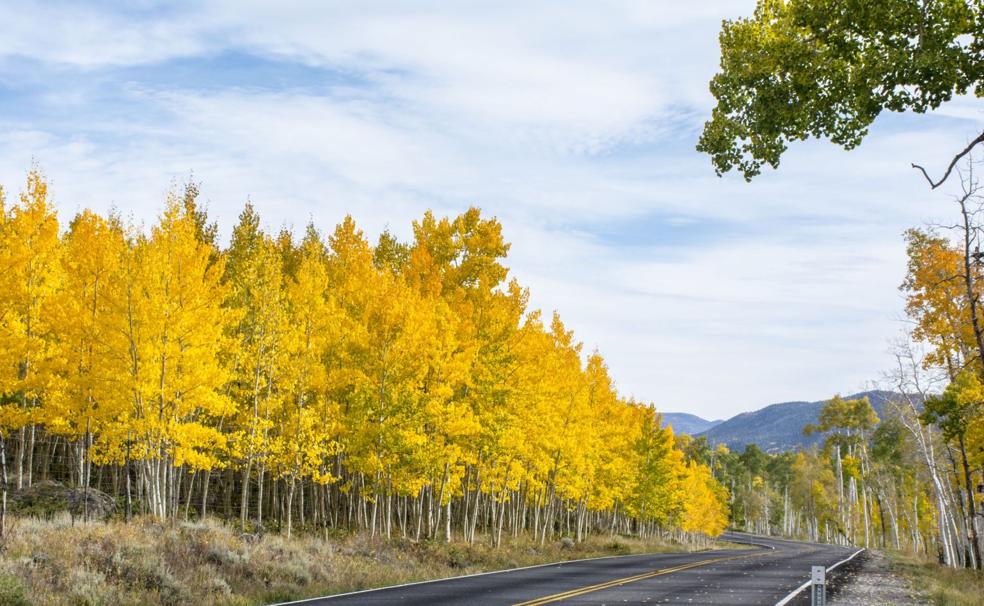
(684, 422)
(779, 427)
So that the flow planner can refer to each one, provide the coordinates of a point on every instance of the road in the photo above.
(759, 575)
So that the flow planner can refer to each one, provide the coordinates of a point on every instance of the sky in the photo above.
(574, 123)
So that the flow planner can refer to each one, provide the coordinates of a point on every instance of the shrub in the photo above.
(218, 586)
(209, 563)
(296, 572)
(618, 547)
(173, 592)
(12, 592)
(457, 558)
(223, 556)
(88, 588)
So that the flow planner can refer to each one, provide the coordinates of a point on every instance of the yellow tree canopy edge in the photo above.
(320, 382)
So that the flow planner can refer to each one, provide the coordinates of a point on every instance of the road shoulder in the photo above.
(872, 580)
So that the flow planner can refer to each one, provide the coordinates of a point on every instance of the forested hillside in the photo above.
(683, 422)
(295, 381)
(779, 427)
(901, 469)
(887, 479)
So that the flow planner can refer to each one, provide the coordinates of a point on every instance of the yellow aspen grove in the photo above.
(460, 259)
(81, 407)
(658, 495)
(564, 430)
(178, 388)
(307, 419)
(390, 329)
(30, 254)
(254, 274)
(612, 459)
(120, 328)
(703, 507)
(402, 388)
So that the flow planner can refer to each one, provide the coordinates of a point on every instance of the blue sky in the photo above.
(572, 122)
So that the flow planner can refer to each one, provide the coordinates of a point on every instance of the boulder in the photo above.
(45, 499)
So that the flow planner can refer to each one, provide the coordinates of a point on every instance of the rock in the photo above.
(566, 543)
(47, 498)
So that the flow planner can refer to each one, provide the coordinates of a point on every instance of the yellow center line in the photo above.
(639, 577)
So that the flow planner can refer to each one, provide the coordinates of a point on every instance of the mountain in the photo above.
(683, 422)
(779, 427)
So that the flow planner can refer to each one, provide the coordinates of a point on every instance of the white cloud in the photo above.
(71, 34)
(573, 123)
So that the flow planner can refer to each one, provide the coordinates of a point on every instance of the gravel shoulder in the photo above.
(871, 580)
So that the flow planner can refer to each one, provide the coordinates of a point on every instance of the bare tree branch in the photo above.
(949, 169)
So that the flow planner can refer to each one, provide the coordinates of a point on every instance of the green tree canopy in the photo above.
(846, 421)
(828, 68)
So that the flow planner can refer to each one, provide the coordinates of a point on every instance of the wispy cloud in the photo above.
(572, 122)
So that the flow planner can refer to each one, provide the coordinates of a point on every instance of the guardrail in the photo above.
(820, 589)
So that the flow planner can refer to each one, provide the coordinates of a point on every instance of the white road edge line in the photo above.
(476, 574)
(789, 597)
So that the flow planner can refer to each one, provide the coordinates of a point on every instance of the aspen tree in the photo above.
(943, 306)
(31, 276)
(7, 358)
(254, 273)
(307, 419)
(959, 408)
(179, 387)
(613, 459)
(81, 408)
(658, 495)
(703, 510)
(460, 259)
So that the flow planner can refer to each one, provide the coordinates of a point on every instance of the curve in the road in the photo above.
(763, 575)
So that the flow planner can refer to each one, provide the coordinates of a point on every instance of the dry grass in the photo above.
(944, 586)
(53, 562)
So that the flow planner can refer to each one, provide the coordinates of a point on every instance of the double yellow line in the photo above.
(573, 593)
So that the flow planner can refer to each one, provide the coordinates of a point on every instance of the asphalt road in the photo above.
(757, 575)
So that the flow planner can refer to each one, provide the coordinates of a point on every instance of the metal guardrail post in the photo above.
(818, 586)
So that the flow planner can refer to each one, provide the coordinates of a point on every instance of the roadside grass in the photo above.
(942, 585)
(210, 563)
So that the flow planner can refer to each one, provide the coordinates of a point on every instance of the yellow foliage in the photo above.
(395, 370)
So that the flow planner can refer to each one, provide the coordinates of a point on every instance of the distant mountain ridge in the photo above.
(775, 428)
(684, 422)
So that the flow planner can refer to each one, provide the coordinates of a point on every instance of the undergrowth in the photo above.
(146, 562)
(944, 586)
